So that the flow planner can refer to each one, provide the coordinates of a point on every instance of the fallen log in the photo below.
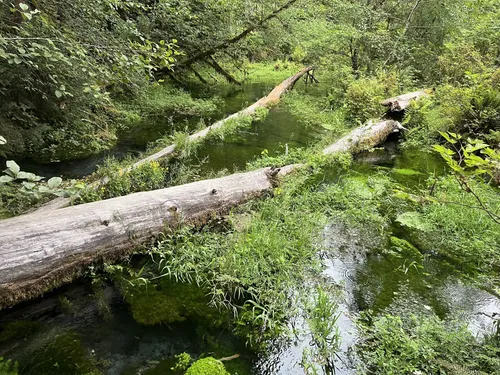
(401, 102)
(40, 252)
(271, 99)
(365, 137)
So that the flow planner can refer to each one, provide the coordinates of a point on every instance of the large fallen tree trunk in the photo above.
(400, 103)
(41, 252)
(365, 137)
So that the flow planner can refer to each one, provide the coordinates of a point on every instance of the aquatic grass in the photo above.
(461, 230)
(416, 343)
(120, 180)
(322, 316)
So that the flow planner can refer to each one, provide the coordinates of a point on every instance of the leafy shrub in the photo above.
(7, 367)
(363, 96)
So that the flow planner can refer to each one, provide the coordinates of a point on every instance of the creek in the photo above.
(77, 327)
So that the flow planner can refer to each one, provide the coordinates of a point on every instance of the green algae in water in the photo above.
(64, 354)
(18, 329)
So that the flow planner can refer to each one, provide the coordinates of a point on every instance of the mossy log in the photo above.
(401, 102)
(41, 251)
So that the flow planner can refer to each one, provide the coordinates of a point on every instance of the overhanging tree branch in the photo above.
(226, 43)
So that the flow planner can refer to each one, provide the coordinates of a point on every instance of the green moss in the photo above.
(207, 366)
(7, 367)
(63, 354)
(404, 247)
(168, 302)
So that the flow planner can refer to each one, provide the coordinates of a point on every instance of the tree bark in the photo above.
(41, 251)
(365, 137)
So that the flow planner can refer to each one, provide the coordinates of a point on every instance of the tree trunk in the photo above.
(365, 137)
(41, 251)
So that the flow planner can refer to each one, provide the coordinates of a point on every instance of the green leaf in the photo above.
(13, 167)
(24, 7)
(23, 175)
(44, 189)
(59, 94)
(443, 150)
(2, 140)
(5, 179)
(54, 182)
(29, 185)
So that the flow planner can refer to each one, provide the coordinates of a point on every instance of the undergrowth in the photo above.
(423, 344)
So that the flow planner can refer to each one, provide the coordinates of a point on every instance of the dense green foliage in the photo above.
(424, 344)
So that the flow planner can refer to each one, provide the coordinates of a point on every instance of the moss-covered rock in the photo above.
(404, 247)
(207, 366)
